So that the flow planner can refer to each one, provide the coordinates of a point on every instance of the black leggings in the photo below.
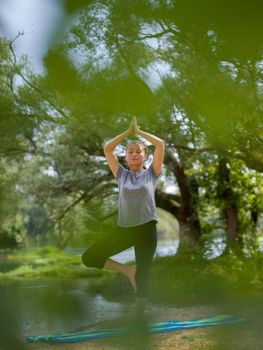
(142, 237)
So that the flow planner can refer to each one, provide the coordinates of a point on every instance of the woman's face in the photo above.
(135, 155)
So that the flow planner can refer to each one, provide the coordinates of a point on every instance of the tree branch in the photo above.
(85, 196)
(18, 71)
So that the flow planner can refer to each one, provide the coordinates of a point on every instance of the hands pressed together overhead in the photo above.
(133, 128)
(158, 143)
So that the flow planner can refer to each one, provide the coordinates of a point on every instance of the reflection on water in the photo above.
(44, 306)
(51, 306)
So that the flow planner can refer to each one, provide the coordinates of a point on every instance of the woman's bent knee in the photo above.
(91, 260)
(88, 259)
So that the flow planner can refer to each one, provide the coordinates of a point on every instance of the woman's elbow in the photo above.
(106, 147)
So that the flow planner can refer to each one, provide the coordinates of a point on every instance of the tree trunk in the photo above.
(183, 207)
(189, 233)
(231, 225)
(230, 211)
(190, 228)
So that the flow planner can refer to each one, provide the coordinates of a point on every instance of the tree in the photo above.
(197, 80)
(204, 100)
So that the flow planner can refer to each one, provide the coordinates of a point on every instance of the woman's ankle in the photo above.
(140, 306)
(131, 276)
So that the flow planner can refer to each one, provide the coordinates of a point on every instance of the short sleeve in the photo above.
(120, 172)
(152, 172)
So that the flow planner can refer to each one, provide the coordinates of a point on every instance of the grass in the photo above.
(45, 262)
(231, 282)
(191, 280)
(175, 279)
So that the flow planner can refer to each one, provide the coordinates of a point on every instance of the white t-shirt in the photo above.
(136, 201)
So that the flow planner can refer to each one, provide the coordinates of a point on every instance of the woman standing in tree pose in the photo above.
(137, 215)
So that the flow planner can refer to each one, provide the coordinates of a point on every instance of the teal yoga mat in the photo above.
(152, 328)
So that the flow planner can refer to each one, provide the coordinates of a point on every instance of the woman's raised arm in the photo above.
(159, 144)
(110, 146)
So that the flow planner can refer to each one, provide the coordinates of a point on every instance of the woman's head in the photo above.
(136, 154)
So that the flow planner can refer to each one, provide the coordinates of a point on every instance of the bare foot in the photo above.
(131, 276)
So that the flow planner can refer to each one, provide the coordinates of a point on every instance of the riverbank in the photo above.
(188, 339)
(180, 288)
(42, 262)
(234, 337)
(184, 280)
(191, 281)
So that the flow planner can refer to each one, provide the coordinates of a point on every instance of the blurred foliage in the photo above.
(191, 72)
(189, 280)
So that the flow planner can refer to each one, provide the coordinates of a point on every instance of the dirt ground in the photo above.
(202, 338)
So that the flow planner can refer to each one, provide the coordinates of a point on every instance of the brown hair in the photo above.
(140, 143)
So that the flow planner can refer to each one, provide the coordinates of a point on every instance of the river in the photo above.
(42, 306)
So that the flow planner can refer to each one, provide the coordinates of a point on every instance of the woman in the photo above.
(137, 216)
